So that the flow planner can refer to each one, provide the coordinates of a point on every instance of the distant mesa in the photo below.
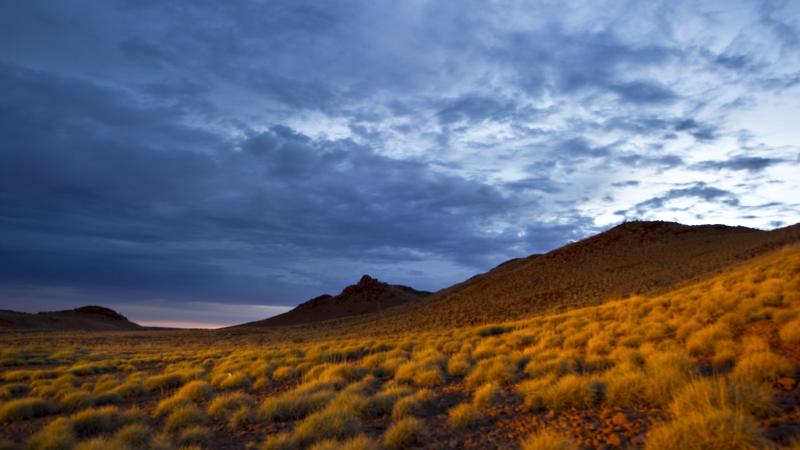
(89, 318)
(367, 296)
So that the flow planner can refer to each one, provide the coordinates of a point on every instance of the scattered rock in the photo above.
(620, 419)
(787, 384)
(615, 440)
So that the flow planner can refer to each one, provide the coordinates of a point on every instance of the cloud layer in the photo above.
(264, 152)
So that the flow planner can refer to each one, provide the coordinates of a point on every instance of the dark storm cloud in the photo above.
(270, 151)
(746, 163)
(698, 191)
(146, 213)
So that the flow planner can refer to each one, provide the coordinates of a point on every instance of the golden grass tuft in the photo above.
(548, 440)
(418, 404)
(185, 416)
(487, 396)
(26, 408)
(463, 416)
(762, 367)
(408, 432)
(715, 430)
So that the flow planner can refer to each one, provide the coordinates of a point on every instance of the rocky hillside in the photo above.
(367, 296)
(90, 318)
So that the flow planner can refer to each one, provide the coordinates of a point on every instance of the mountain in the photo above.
(632, 258)
(95, 318)
(367, 296)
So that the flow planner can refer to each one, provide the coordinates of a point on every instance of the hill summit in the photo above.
(369, 295)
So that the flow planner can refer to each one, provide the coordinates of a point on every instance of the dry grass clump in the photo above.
(163, 382)
(382, 403)
(26, 408)
(569, 391)
(708, 395)
(11, 390)
(295, 404)
(185, 416)
(500, 370)
(714, 430)
(57, 435)
(360, 442)
(790, 332)
(761, 367)
(194, 435)
(463, 416)
(459, 365)
(548, 440)
(487, 396)
(409, 432)
(231, 380)
(236, 407)
(330, 423)
(197, 390)
(413, 405)
(136, 435)
(427, 374)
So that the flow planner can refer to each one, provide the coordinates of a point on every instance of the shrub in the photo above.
(280, 441)
(229, 403)
(626, 387)
(762, 367)
(13, 390)
(708, 395)
(75, 400)
(163, 382)
(231, 380)
(98, 443)
(406, 433)
(487, 396)
(465, 415)
(416, 405)
(90, 422)
(183, 417)
(329, 423)
(360, 442)
(194, 435)
(572, 391)
(459, 365)
(170, 404)
(498, 370)
(284, 373)
(548, 440)
(135, 435)
(236, 407)
(196, 391)
(717, 430)
(294, 404)
(57, 435)
(26, 408)
(533, 390)
(790, 332)
(381, 404)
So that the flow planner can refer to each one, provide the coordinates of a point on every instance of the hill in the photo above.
(92, 318)
(369, 295)
(632, 258)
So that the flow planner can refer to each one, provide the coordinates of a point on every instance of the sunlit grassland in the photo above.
(704, 364)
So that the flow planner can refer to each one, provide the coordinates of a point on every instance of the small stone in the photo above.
(615, 440)
(620, 419)
(787, 384)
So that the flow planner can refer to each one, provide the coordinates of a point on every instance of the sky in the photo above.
(206, 163)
